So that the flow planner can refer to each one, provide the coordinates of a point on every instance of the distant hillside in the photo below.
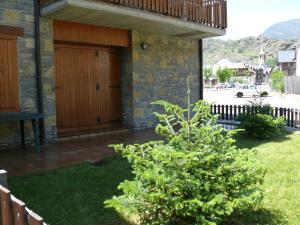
(288, 30)
(244, 49)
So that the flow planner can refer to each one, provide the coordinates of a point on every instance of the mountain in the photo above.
(287, 30)
(248, 48)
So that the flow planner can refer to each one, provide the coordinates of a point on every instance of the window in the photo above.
(9, 88)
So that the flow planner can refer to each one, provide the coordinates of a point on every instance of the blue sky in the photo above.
(252, 17)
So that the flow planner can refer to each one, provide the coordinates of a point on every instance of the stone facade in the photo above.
(48, 77)
(20, 13)
(160, 73)
(126, 81)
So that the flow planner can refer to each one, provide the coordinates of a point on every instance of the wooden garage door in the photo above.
(9, 88)
(115, 87)
(88, 91)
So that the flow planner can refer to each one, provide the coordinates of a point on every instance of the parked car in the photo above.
(230, 86)
(220, 86)
(249, 90)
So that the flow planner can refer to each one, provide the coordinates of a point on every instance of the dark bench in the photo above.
(21, 117)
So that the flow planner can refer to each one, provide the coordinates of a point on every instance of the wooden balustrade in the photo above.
(14, 211)
(211, 13)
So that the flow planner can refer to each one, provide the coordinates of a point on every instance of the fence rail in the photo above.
(14, 212)
(231, 112)
(211, 13)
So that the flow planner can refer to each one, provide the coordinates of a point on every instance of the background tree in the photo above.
(278, 81)
(208, 72)
(273, 62)
(224, 75)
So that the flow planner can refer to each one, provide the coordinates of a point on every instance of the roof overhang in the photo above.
(103, 14)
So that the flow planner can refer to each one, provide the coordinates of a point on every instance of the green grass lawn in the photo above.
(75, 196)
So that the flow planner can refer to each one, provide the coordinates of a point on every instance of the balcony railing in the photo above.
(212, 13)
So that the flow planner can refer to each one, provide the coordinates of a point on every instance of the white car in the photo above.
(249, 90)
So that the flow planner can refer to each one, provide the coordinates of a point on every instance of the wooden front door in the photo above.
(88, 91)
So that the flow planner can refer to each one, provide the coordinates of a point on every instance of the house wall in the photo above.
(48, 77)
(288, 68)
(20, 13)
(160, 73)
(126, 82)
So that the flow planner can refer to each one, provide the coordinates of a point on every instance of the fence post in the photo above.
(288, 117)
(18, 212)
(3, 178)
(6, 207)
(227, 112)
(223, 112)
(34, 219)
(184, 10)
(292, 118)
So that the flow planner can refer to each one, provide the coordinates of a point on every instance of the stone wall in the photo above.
(160, 72)
(48, 77)
(20, 13)
(126, 78)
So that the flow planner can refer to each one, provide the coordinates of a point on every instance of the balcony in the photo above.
(181, 18)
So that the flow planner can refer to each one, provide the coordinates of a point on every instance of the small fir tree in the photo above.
(194, 175)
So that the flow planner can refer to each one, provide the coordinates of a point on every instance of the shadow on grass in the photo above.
(257, 217)
(243, 141)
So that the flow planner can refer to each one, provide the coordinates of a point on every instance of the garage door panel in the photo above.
(83, 80)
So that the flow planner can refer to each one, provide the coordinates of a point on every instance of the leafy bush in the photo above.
(261, 126)
(272, 62)
(278, 81)
(194, 176)
(264, 94)
(260, 122)
(224, 75)
(208, 72)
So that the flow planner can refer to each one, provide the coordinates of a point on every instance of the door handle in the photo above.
(97, 87)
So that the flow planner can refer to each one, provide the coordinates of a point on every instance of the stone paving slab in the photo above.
(68, 153)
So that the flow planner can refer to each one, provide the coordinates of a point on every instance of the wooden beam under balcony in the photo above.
(180, 18)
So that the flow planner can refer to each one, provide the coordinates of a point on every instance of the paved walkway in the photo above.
(60, 155)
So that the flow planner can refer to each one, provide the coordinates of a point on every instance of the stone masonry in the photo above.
(126, 81)
(160, 73)
(20, 13)
(48, 77)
